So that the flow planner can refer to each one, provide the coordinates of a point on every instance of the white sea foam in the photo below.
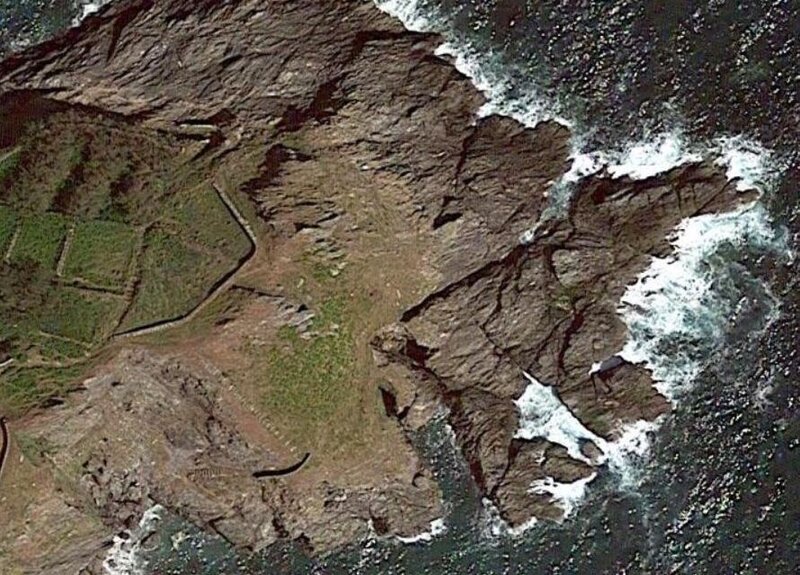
(567, 496)
(437, 528)
(530, 110)
(408, 12)
(493, 526)
(748, 162)
(674, 314)
(87, 9)
(652, 157)
(542, 414)
(123, 556)
(629, 451)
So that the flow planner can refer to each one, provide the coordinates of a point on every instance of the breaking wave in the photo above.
(679, 309)
(86, 8)
(123, 556)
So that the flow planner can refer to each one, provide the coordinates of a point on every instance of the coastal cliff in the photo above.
(388, 264)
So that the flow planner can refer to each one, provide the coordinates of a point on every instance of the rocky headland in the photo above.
(332, 126)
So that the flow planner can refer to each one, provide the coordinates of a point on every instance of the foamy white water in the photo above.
(87, 8)
(567, 496)
(748, 162)
(493, 526)
(543, 415)
(646, 159)
(674, 314)
(437, 528)
(123, 556)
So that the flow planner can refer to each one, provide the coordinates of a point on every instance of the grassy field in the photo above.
(101, 253)
(174, 278)
(25, 388)
(80, 316)
(8, 225)
(206, 221)
(308, 379)
(40, 239)
(9, 161)
(88, 184)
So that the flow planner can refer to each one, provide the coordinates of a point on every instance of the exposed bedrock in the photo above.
(295, 83)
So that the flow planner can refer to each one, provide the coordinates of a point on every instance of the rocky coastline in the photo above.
(361, 137)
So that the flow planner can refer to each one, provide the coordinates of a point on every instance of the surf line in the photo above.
(284, 471)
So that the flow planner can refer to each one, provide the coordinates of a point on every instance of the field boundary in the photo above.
(220, 286)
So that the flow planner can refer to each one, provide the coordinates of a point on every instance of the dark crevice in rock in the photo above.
(122, 20)
(224, 117)
(327, 101)
(468, 280)
(271, 167)
(447, 213)
(389, 402)
(364, 37)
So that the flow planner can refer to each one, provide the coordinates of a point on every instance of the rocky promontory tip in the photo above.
(388, 279)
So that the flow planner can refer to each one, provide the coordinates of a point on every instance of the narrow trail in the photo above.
(5, 447)
(11, 245)
(225, 283)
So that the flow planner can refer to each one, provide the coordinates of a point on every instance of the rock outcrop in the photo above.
(297, 83)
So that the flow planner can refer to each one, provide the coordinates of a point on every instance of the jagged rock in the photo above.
(349, 82)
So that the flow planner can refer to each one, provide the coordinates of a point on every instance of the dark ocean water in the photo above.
(720, 492)
(26, 22)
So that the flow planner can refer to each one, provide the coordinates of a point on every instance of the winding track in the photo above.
(5, 447)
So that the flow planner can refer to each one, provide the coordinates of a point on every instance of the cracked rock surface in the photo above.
(236, 74)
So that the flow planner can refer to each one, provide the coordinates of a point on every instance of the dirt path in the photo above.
(228, 281)
(11, 245)
(5, 446)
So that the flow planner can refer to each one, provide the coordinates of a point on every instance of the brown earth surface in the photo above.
(389, 281)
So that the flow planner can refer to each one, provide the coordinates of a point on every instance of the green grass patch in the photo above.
(101, 253)
(40, 239)
(9, 161)
(22, 389)
(309, 382)
(54, 348)
(8, 225)
(207, 221)
(82, 316)
(35, 449)
(174, 278)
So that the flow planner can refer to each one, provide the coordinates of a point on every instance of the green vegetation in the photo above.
(25, 388)
(101, 253)
(207, 222)
(9, 161)
(309, 382)
(40, 239)
(174, 279)
(8, 225)
(80, 316)
(65, 168)
(35, 449)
